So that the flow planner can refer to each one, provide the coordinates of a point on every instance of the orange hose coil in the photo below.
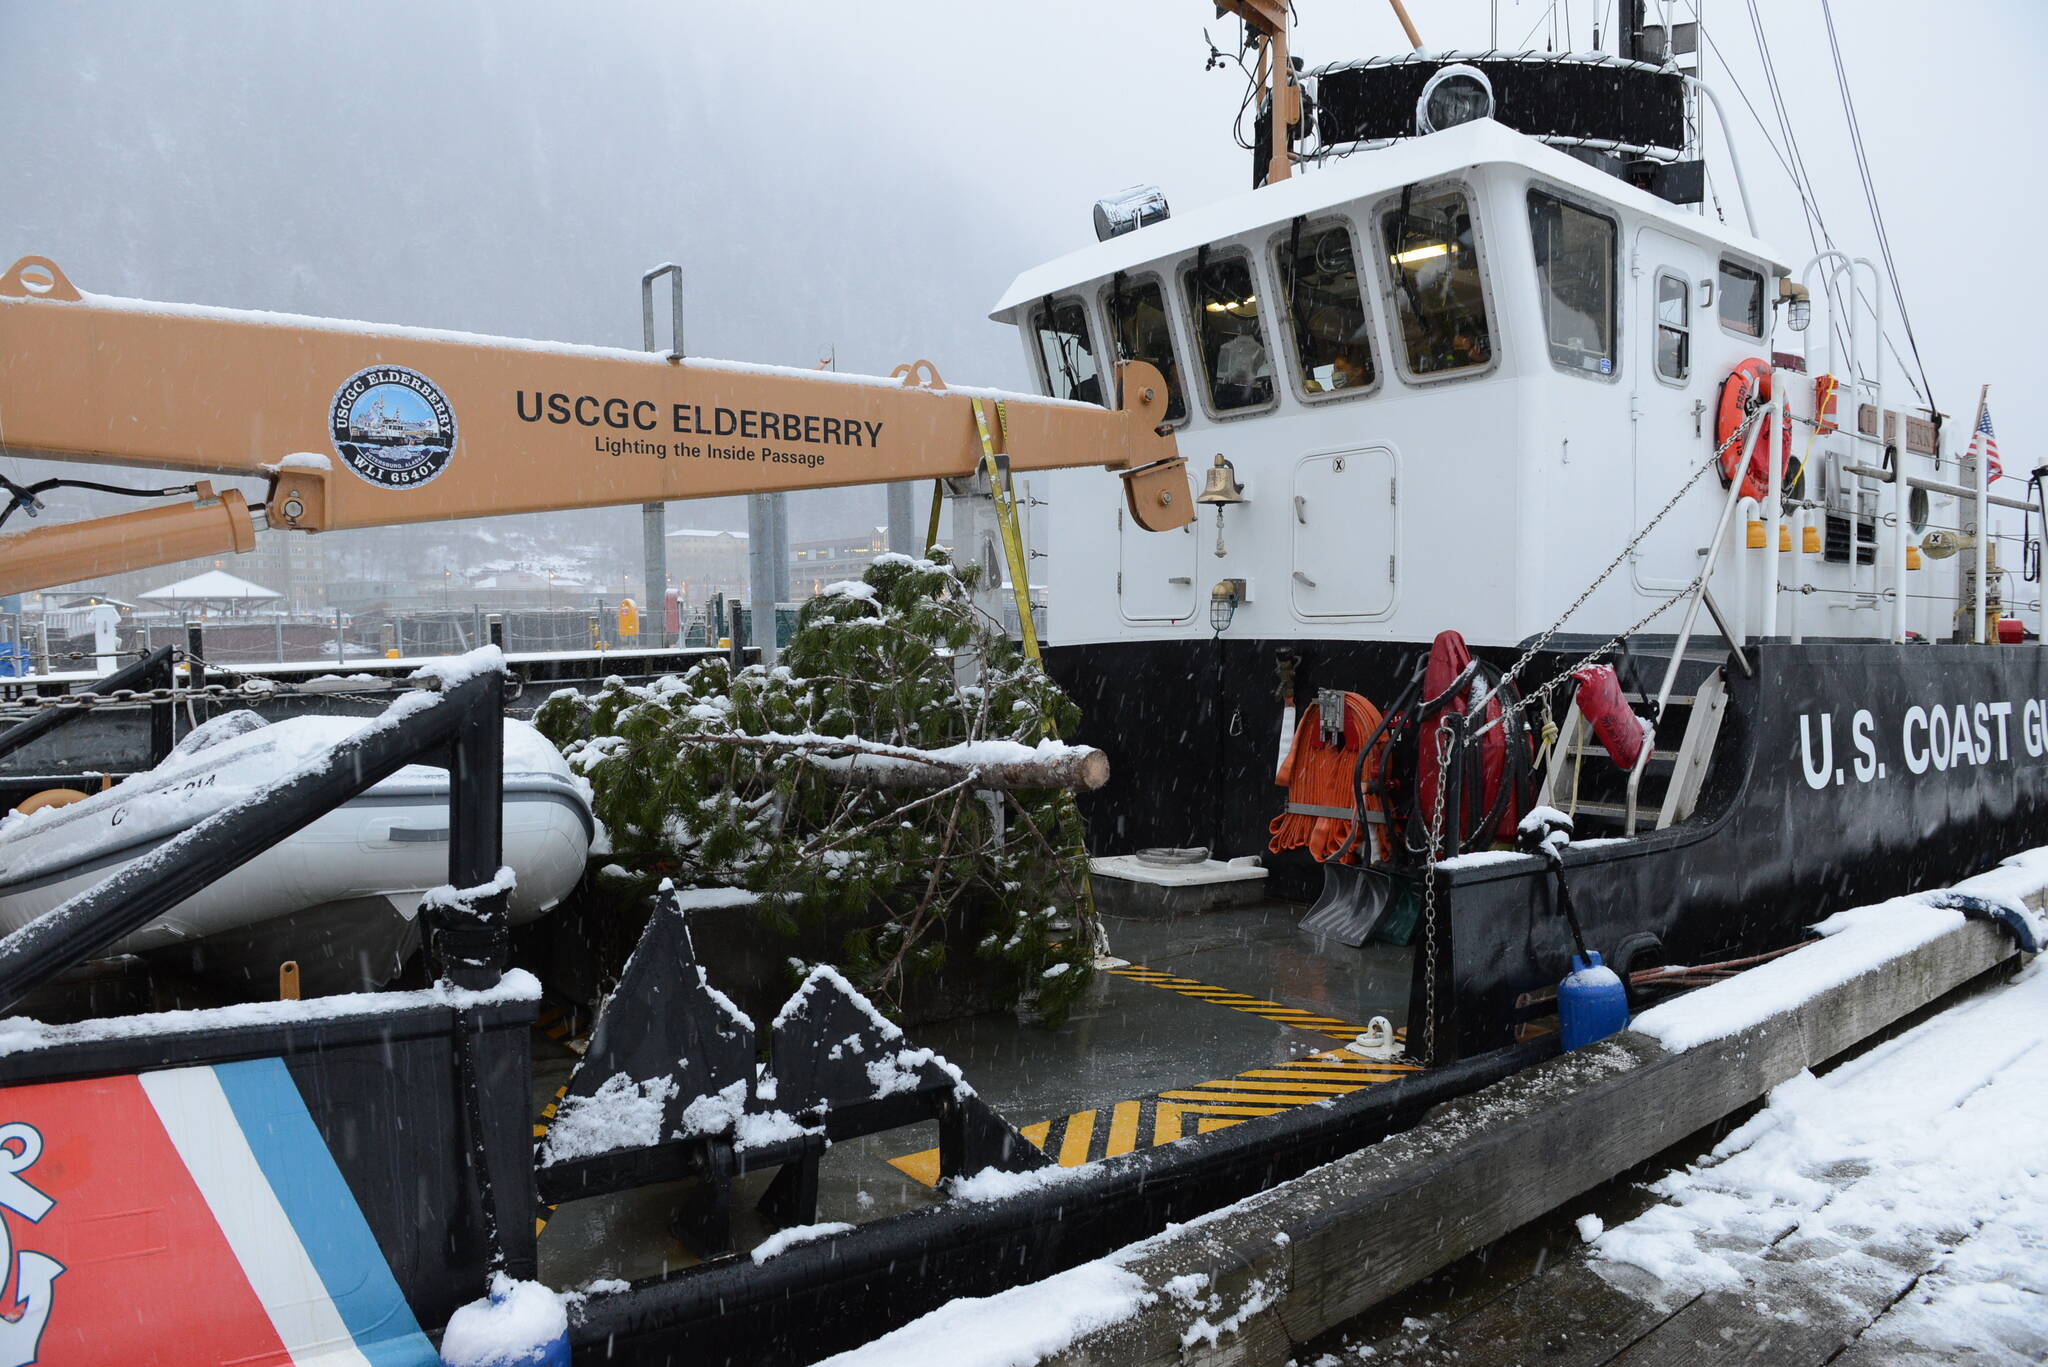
(1317, 774)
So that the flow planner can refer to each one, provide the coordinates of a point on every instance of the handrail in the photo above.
(463, 728)
(1700, 596)
(1940, 486)
(1728, 141)
(1837, 264)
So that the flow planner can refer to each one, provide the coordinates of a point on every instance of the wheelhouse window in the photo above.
(1224, 304)
(1324, 304)
(1575, 266)
(1434, 257)
(1064, 347)
(1741, 293)
(1137, 317)
(1674, 326)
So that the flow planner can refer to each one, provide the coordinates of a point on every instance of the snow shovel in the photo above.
(1353, 902)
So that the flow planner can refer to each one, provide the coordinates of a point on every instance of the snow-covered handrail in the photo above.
(466, 717)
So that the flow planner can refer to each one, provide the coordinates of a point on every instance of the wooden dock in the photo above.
(1278, 1271)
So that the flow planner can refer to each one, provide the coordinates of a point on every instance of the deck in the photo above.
(1833, 1158)
(1209, 1021)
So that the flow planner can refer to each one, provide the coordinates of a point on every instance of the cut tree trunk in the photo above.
(995, 766)
(1077, 768)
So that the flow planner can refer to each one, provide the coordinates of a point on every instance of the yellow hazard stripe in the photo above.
(1074, 1147)
(1349, 1080)
(540, 1132)
(1148, 1122)
(1278, 1012)
(1199, 1108)
(1293, 1086)
(1276, 1101)
(1246, 1109)
(1123, 1129)
(919, 1167)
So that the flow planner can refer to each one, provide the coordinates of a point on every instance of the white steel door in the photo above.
(1672, 405)
(1346, 556)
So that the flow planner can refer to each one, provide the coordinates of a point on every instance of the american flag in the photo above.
(1988, 440)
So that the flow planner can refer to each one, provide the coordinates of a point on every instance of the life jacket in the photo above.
(1495, 781)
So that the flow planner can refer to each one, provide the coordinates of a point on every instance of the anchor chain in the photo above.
(92, 654)
(251, 689)
(1429, 913)
(1542, 693)
(256, 690)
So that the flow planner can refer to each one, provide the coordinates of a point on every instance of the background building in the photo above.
(814, 564)
(703, 563)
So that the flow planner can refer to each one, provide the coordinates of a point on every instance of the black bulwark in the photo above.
(421, 1097)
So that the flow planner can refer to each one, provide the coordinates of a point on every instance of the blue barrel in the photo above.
(1591, 1002)
(521, 1325)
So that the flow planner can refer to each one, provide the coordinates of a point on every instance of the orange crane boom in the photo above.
(361, 425)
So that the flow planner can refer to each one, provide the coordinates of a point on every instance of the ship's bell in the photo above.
(1222, 487)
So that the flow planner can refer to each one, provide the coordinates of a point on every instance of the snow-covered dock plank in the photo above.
(1253, 1282)
(1892, 1210)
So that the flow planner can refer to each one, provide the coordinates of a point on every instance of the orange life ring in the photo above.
(51, 797)
(1747, 388)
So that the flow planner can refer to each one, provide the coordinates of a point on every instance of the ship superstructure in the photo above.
(1492, 361)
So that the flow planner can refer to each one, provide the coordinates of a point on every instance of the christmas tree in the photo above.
(851, 785)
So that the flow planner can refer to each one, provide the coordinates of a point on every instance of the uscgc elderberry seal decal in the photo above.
(392, 426)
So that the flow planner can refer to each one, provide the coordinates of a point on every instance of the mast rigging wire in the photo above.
(1803, 186)
(1801, 180)
(1884, 242)
(1541, 19)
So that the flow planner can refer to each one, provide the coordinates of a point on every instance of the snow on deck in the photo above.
(1908, 1187)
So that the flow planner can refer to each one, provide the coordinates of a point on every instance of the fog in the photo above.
(863, 181)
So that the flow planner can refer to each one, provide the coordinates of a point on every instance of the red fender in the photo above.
(1608, 713)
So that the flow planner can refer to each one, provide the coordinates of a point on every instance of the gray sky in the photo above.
(869, 177)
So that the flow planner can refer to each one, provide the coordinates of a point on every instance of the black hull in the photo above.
(1766, 854)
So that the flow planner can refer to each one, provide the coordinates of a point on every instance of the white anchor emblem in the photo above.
(32, 1274)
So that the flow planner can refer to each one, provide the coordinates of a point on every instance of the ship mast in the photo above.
(1274, 75)
(1268, 20)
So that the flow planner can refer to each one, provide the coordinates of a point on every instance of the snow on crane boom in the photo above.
(361, 425)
